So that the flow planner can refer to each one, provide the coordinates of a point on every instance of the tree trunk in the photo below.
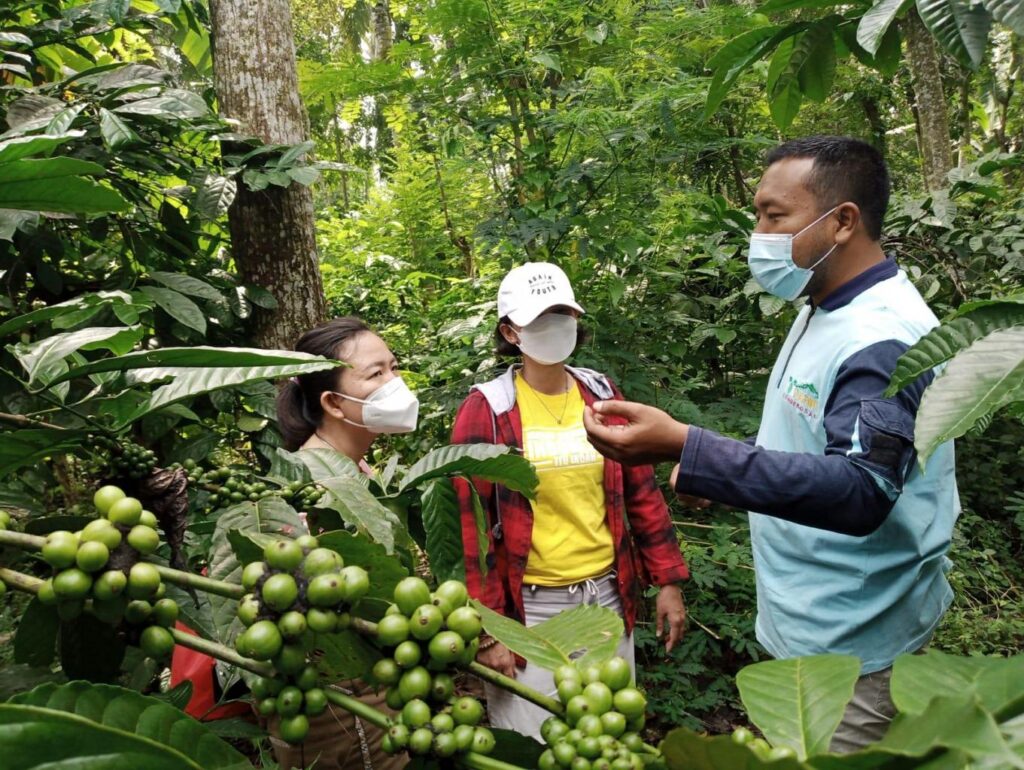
(933, 122)
(273, 236)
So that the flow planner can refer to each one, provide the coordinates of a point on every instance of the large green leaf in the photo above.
(976, 382)
(116, 133)
(25, 146)
(187, 382)
(38, 358)
(198, 357)
(128, 713)
(738, 54)
(961, 26)
(684, 749)
(917, 679)
(56, 184)
(326, 463)
(38, 739)
(493, 462)
(954, 722)
(945, 341)
(187, 284)
(270, 516)
(442, 522)
(876, 22)
(588, 633)
(177, 306)
(814, 40)
(76, 305)
(359, 508)
(1008, 12)
(799, 702)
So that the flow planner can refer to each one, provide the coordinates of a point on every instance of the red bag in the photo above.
(197, 667)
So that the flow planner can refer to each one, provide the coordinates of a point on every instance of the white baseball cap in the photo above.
(530, 289)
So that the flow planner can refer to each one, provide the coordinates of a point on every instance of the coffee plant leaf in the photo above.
(799, 702)
(269, 516)
(125, 712)
(917, 679)
(587, 634)
(442, 522)
(957, 723)
(359, 508)
(683, 749)
(945, 341)
(975, 383)
(492, 462)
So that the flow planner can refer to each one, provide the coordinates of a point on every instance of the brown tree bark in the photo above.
(930, 98)
(273, 236)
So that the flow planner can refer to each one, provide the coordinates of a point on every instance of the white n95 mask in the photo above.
(391, 408)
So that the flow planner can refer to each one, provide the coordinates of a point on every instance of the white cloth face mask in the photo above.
(550, 339)
(391, 408)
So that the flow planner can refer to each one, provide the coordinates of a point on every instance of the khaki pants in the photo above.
(339, 741)
(510, 712)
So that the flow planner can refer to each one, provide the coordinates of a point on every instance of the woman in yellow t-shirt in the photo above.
(597, 532)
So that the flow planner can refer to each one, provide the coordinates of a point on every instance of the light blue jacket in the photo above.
(849, 535)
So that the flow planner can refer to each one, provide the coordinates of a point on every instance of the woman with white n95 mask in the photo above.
(344, 409)
(595, 533)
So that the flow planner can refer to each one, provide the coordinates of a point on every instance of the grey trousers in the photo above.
(511, 712)
(867, 715)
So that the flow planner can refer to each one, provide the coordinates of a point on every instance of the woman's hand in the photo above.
(500, 658)
(671, 615)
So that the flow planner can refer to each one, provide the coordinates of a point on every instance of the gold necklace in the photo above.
(539, 400)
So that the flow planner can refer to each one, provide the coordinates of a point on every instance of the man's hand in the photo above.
(671, 615)
(688, 500)
(500, 658)
(649, 435)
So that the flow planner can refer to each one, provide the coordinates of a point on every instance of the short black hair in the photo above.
(845, 169)
(505, 349)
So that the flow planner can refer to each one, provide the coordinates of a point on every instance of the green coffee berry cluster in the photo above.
(100, 563)
(761, 748)
(604, 714)
(422, 730)
(298, 586)
(134, 461)
(294, 698)
(236, 485)
(424, 636)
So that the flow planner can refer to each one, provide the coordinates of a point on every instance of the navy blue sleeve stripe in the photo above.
(849, 489)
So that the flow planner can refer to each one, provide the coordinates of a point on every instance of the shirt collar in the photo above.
(846, 293)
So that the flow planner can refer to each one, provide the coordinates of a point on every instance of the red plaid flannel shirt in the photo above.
(646, 550)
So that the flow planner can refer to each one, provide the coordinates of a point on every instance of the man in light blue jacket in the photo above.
(849, 534)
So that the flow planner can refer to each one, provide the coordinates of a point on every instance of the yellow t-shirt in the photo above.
(571, 538)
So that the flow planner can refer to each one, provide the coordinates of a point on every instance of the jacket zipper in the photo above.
(789, 357)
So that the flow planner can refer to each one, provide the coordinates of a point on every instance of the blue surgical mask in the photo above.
(770, 258)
